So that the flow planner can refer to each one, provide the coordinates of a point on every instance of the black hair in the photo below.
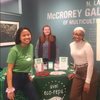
(17, 39)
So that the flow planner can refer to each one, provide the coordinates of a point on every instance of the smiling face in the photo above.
(46, 31)
(25, 38)
(78, 35)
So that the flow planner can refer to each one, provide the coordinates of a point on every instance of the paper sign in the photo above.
(50, 65)
(39, 65)
(63, 63)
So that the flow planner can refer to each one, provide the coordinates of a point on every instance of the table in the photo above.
(53, 87)
(48, 88)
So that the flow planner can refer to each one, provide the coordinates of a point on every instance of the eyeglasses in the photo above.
(80, 35)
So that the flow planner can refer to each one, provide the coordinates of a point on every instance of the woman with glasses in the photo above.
(47, 46)
(85, 75)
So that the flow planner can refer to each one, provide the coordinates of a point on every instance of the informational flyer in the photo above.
(63, 63)
(50, 65)
(98, 40)
(39, 64)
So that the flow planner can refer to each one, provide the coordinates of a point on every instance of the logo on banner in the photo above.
(54, 90)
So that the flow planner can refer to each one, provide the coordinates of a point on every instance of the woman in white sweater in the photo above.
(85, 75)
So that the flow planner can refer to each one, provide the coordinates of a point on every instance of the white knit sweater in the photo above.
(82, 53)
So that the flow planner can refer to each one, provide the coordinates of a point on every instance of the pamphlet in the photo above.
(63, 63)
(39, 64)
(50, 65)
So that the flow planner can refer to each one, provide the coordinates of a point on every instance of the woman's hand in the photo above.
(71, 76)
(87, 87)
(11, 95)
(31, 79)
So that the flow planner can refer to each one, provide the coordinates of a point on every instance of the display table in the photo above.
(52, 87)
